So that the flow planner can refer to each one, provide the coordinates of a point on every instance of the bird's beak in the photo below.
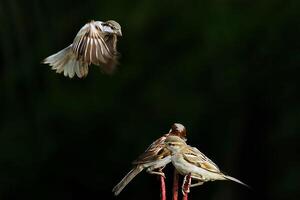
(119, 33)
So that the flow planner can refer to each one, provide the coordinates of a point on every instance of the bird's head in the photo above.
(174, 143)
(112, 26)
(178, 130)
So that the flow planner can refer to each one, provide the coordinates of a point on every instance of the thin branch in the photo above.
(162, 188)
(175, 185)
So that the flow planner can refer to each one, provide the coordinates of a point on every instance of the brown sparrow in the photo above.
(189, 160)
(154, 159)
(95, 43)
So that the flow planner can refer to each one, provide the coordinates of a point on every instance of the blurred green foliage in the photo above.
(228, 70)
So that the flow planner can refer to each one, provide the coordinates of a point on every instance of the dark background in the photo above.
(227, 70)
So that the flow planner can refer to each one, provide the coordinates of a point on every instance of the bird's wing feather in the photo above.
(194, 156)
(111, 42)
(154, 152)
(89, 45)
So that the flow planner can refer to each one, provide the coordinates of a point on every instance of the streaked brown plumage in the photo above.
(187, 159)
(154, 159)
(95, 43)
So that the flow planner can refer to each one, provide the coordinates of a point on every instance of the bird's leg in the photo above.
(175, 185)
(159, 172)
(162, 180)
(199, 181)
(186, 186)
(196, 184)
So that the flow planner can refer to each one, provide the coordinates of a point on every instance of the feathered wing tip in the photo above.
(65, 61)
(120, 186)
(236, 180)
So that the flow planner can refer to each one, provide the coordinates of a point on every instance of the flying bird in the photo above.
(189, 160)
(154, 159)
(95, 43)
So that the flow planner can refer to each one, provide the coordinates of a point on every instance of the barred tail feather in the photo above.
(65, 61)
(235, 180)
(120, 186)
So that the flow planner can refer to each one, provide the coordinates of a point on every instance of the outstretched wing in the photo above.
(193, 155)
(89, 45)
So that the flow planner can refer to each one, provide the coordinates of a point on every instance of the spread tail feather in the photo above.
(236, 180)
(120, 186)
(65, 61)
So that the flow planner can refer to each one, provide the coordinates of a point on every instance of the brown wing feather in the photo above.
(110, 66)
(155, 151)
(194, 156)
(111, 42)
(90, 46)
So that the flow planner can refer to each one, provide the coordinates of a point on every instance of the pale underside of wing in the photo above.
(194, 156)
(89, 45)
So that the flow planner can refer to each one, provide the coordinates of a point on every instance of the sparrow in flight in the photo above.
(95, 43)
(189, 160)
(154, 159)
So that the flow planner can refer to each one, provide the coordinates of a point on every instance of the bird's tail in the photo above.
(67, 62)
(120, 186)
(235, 180)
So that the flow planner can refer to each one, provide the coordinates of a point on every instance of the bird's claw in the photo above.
(163, 175)
(185, 188)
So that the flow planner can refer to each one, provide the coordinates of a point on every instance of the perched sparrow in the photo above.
(187, 159)
(154, 159)
(95, 43)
